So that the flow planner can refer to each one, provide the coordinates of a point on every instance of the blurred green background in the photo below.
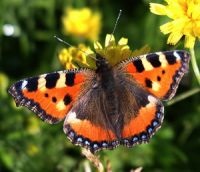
(29, 48)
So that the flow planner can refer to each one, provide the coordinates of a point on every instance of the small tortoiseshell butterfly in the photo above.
(109, 106)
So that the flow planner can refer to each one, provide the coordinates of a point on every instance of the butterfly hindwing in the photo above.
(86, 124)
(144, 123)
(160, 73)
(51, 95)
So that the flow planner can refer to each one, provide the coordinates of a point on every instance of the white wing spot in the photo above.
(71, 118)
(41, 83)
(147, 65)
(152, 101)
(24, 83)
(162, 59)
(155, 86)
(61, 81)
(60, 105)
(177, 55)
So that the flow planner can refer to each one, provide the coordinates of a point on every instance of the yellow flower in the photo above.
(75, 57)
(82, 23)
(186, 20)
(112, 51)
(117, 52)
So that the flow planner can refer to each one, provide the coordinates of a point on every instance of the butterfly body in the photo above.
(109, 106)
(107, 85)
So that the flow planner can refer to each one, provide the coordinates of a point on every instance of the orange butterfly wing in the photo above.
(147, 121)
(89, 135)
(160, 73)
(51, 95)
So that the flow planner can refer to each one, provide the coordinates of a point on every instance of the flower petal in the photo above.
(110, 40)
(174, 37)
(167, 28)
(123, 41)
(97, 46)
(158, 9)
(189, 41)
(196, 30)
(196, 12)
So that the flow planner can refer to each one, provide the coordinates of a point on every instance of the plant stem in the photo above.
(194, 65)
(183, 96)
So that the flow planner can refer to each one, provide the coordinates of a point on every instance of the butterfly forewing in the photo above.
(160, 73)
(51, 95)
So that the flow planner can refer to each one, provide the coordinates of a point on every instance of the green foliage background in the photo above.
(28, 144)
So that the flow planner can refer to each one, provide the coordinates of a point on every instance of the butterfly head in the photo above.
(102, 64)
(100, 60)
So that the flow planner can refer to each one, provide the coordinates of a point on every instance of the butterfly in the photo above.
(109, 106)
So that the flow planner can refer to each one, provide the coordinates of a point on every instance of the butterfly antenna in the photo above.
(116, 22)
(61, 40)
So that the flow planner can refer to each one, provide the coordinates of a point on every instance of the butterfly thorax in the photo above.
(104, 72)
